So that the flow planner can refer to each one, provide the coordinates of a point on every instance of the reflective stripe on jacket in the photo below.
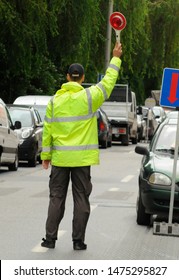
(70, 135)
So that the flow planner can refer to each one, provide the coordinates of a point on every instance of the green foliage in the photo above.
(40, 39)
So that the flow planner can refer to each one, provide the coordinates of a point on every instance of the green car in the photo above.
(155, 178)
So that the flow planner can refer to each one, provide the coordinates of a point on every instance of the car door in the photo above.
(8, 138)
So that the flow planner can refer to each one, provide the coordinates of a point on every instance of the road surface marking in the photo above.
(114, 190)
(127, 178)
(93, 206)
(39, 249)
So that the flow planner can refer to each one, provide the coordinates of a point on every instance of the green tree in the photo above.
(40, 39)
(23, 45)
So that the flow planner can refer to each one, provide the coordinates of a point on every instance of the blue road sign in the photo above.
(170, 88)
(100, 76)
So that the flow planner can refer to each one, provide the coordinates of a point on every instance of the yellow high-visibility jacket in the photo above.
(70, 133)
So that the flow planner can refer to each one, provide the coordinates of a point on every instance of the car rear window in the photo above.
(119, 94)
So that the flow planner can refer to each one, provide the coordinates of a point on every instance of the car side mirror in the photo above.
(139, 110)
(141, 150)
(17, 125)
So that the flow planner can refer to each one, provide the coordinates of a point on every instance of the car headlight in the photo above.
(159, 179)
(26, 133)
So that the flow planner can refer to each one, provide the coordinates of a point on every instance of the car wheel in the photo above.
(134, 140)
(32, 162)
(109, 143)
(125, 140)
(142, 217)
(104, 144)
(15, 165)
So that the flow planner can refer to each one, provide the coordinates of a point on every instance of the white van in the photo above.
(37, 101)
(9, 142)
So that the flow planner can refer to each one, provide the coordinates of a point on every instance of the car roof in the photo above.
(2, 102)
(20, 106)
(33, 99)
(172, 115)
(171, 118)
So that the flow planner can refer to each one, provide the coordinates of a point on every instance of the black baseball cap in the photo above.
(76, 70)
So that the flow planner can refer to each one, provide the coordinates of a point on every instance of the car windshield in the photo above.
(24, 116)
(166, 140)
(156, 111)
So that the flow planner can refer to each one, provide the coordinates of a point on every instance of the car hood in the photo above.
(162, 163)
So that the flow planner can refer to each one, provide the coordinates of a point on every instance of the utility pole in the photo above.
(109, 31)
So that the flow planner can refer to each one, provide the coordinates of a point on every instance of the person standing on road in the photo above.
(70, 145)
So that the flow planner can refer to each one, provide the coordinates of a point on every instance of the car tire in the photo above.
(109, 144)
(104, 144)
(142, 217)
(15, 165)
(136, 139)
(32, 162)
(125, 140)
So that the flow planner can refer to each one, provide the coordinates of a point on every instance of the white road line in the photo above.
(114, 190)
(93, 206)
(39, 249)
(61, 233)
(127, 178)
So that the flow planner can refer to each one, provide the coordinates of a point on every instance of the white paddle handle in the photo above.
(118, 35)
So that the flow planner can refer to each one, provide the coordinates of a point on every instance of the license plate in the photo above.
(115, 130)
(118, 130)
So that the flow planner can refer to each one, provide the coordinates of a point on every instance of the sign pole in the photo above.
(108, 39)
(172, 194)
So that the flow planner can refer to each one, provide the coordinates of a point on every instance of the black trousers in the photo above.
(81, 189)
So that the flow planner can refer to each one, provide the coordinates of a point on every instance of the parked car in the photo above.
(104, 129)
(159, 113)
(30, 133)
(9, 143)
(141, 128)
(151, 122)
(39, 102)
(155, 176)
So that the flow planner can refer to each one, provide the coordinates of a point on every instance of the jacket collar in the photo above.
(72, 86)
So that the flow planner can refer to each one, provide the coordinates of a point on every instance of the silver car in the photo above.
(39, 102)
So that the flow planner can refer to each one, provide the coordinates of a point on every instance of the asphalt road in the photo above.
(112, 232)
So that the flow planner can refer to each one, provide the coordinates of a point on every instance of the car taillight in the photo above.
(102, 126)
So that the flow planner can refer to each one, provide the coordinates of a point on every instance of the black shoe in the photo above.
(79, 245)
(48, 243)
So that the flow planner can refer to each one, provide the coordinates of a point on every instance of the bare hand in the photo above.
(117, 51)
(45, 164)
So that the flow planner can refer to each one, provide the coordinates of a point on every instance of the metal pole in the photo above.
(172, 194)
(108, 37)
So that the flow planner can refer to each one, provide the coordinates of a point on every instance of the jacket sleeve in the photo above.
(103, 89)
(46, 137)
